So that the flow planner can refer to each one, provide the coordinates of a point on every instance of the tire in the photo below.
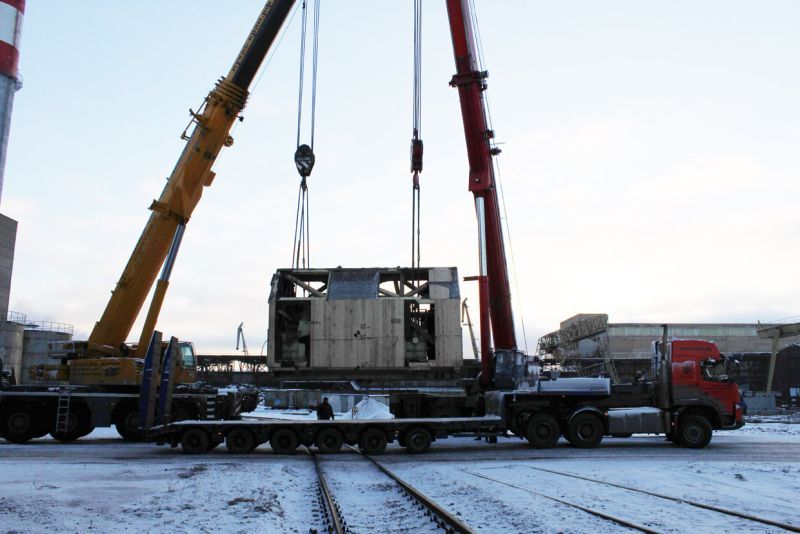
(78, 425)
(585, 431)
(329, 440)
(127, 426)
(543, 431)
(418, 440)
(17, 424)
(373, 441)
(283, 441)
(694, 431)
(240, 441)
(194, 441)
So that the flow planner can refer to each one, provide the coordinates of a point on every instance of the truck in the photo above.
(688, 394)
(96, 382)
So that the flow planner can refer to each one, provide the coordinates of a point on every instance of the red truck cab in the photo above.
(702, 384)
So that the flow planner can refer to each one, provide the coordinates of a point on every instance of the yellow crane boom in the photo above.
(161, 236)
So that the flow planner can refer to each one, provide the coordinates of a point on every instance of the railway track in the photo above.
(756, 521)
(412, 510)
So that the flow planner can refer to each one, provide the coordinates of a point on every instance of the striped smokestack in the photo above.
(11, 12)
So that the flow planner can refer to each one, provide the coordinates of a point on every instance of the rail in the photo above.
(335, 521)
(625, 522)
(332, 515)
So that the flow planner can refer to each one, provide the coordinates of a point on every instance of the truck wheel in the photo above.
(543, 431)
(373, 441)
(127, 426)
(17, 425)
(283, 441)
(240, 441)
(694, 431)
(585, 431)
(329, 440)
(194, 441)
(418, 440)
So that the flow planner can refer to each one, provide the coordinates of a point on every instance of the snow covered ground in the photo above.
(103, 484)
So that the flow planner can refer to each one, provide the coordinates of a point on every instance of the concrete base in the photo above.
(761, 403)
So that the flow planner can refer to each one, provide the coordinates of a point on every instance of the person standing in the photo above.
(325, 410)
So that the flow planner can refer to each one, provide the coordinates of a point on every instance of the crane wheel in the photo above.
(240, 441)
(585, 431)
(543, 431)
(127, 425)
(194, 441)
(283, 441)
(17, 424)
(373, 441)
(78, 425)
(418, 440)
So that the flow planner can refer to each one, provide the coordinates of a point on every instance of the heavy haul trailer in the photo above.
(690, 396)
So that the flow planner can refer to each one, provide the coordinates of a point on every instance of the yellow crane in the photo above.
(104, 357)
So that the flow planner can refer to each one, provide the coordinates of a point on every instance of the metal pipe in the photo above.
(483, 296)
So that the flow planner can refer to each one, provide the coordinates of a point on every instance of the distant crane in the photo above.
(240, 336)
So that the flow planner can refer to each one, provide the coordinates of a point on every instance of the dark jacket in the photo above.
(325, 411)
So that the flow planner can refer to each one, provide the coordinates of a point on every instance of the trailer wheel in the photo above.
(418, 440)
(329, 440)
(16, 424)
(585, 431)
(127, 425)
(373, 441)
(240, 441)
(543, 431)
(283, 441)
(194, 441)
(694, 431)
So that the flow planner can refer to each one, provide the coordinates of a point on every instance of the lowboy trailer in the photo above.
(690, 396)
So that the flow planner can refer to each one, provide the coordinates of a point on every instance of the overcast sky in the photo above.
(651, 157)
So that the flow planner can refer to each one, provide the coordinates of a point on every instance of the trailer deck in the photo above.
(286, 435)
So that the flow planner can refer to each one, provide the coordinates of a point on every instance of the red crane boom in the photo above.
(494, 289)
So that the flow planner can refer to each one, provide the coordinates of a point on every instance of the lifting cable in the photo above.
(416, 141)
(304, 155)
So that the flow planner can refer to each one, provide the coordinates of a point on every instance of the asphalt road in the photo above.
(104, 445)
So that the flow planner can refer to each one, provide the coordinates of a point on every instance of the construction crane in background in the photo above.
(240, 338)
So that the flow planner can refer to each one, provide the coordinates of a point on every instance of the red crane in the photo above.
(494, 289)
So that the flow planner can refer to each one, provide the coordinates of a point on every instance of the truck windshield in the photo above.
(715, 370)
